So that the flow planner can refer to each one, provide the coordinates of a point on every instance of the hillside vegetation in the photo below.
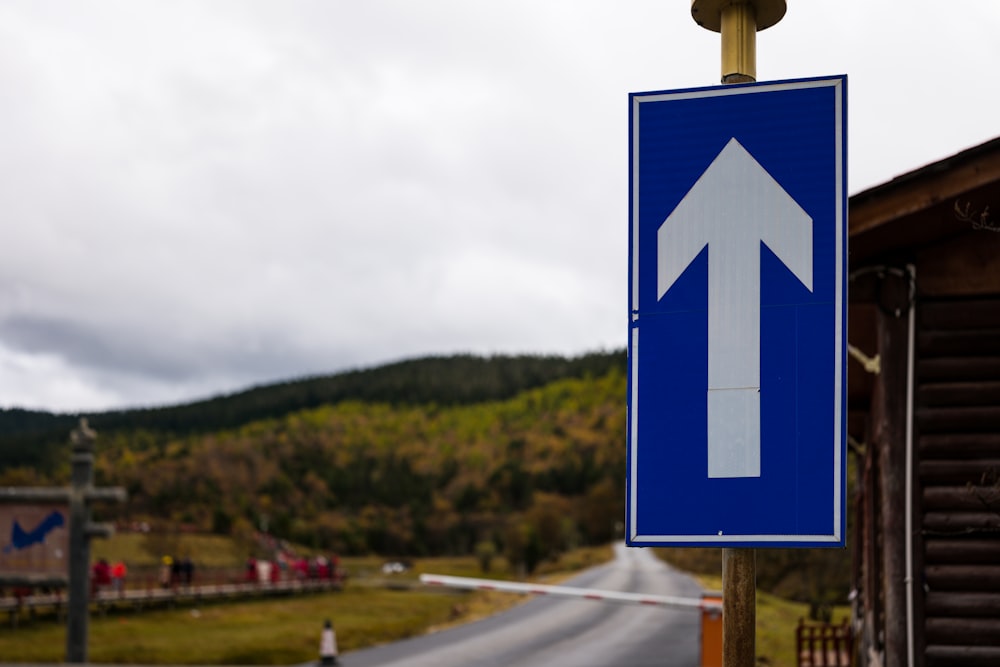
(538, 473)
(522, 457)
(38, 439)
(431, 456)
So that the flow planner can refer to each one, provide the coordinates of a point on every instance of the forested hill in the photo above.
(519, 455)
(416, 461)
(32, 438)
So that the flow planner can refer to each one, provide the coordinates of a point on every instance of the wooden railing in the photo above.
(824, 644)
(148, 596)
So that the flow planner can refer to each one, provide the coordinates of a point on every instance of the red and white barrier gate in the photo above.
(569, 591)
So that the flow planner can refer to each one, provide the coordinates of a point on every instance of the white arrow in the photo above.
(732, 207)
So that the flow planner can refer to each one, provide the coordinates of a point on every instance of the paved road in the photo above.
(547, 632)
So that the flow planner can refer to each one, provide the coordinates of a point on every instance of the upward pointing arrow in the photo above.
(732, 207)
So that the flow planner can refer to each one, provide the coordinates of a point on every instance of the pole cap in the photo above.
(708, 13)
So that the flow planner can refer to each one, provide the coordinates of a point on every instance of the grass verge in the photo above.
(285, 631)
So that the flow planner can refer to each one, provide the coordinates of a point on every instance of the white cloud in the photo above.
(42, 380)
(199, 196)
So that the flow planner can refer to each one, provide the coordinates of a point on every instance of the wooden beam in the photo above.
(889, 408)
(924, 188)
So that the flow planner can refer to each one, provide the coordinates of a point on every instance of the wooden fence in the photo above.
(138, 598)
(824, 644)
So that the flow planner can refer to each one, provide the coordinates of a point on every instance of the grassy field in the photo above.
(142, 549)
(284, 631)
(257, 632)
(365, 613)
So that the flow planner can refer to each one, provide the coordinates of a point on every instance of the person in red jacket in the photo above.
(100, 576)
(118, 573)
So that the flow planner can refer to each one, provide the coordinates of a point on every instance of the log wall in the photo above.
(957, 490)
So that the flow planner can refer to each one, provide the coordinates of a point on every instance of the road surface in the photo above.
(547, 632)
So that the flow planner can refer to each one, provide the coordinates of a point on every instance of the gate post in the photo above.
(81, 530)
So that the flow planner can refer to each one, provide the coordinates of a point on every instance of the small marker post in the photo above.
(737, 21)
(328, 645)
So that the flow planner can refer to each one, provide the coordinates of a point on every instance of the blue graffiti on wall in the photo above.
(22, 539)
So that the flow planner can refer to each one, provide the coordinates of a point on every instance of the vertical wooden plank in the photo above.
(889, 408)
(871, 567)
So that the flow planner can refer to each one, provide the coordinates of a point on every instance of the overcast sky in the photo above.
(196, 197)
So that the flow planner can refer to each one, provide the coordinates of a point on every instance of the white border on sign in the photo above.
(841, 222)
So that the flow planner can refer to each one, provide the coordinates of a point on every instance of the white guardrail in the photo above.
(710, 605)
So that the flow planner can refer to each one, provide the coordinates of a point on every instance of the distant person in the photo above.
(100, 576)
(322, 568)
(264, 571)
(118, 573)
(166, 571)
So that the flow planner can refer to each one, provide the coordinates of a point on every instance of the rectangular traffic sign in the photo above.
(737, 308)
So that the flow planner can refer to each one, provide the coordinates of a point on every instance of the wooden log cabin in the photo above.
(924, 413)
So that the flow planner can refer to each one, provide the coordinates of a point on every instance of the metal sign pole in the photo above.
(737, 21)
(739, 607)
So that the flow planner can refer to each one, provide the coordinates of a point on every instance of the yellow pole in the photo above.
(738, 29)
(738, 21)
(739, 42)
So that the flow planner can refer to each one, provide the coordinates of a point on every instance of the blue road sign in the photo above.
(737, 304)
